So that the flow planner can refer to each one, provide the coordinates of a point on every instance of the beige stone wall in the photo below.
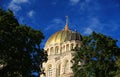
(60, 56)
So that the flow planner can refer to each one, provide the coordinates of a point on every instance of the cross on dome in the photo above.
(66, 26)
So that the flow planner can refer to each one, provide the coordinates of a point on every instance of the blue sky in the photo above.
(85, 16)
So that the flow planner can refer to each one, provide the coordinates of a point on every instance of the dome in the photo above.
(63, 35)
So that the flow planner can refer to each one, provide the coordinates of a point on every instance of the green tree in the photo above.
(118, 64)
(96, 57)
(20, 52)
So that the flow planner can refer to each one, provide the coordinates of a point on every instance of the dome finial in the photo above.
(66, 26)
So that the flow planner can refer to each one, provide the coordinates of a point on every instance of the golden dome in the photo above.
(62, 36)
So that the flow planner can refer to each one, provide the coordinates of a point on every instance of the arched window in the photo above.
(51, 50)
(58, 70)
(66, 67)
(60, 50)
(67, 47)
(50, 71)
(56, 50)
(72, 45)
(63, 48)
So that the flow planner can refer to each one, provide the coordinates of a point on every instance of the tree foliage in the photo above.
(97, 57)
(20, 52)
(118, 64)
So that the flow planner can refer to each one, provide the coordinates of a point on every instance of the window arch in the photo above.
(66, 68)
(60, 50)
(72, 45)
(56, 50)
(51, 50)
(67, 47)
(63, 48)
(58, 70)
(50, 71)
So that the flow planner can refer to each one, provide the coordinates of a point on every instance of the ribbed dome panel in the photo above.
(62, 36)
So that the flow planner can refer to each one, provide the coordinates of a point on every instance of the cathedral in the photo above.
(59, 49)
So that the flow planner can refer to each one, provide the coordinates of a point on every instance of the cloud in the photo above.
(89, 5)
(19, 1)
(94, 24)
(57, 21)
(15, 5)
(49, 27)
(114, 25)
(21, 20)
(74, 2)
(88, 31)
(31, 13)
(55, 24)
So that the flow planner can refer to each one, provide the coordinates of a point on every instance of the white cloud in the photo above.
(31, 13)
(88, 31)
(57, 21)
(21, 20)
(55, 24)
(85, 5)
(94, 22)
(49, 27)
(15, 5)
(89, 6)
(74, 2)
(19, 1)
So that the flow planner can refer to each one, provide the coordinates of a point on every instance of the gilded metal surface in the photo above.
(63, 35)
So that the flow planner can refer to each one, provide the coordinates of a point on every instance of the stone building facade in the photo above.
(59, 49)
